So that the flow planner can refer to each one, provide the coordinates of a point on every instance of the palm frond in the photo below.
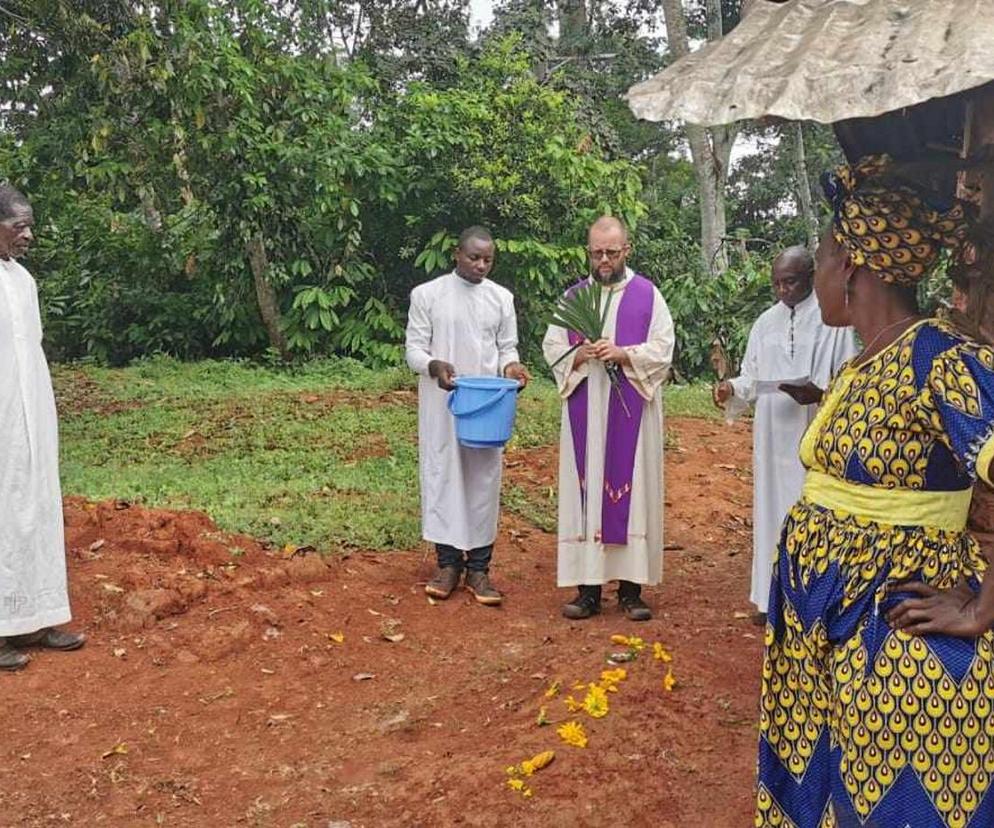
(581, 312)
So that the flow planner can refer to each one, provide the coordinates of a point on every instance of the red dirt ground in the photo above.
(210, 693)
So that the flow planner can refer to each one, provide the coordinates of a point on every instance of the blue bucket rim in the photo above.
(485, 383)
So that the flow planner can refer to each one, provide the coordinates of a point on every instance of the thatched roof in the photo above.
(827, 60)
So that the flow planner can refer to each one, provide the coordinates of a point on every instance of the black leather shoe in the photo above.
(631, 603)
(586, 603)
(11, 659)
(49, 639)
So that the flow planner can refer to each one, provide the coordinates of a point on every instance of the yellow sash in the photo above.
(896, 507)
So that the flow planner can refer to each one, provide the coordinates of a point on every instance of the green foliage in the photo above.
(721, 307)
(499, 148)
(763, 188)
(580, 311)
(351, 140)
(201, 140)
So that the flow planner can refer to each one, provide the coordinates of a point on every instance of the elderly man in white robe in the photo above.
(33, 594)
(460, 323)
(788, 343)
(611, 436)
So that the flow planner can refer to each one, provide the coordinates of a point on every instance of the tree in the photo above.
(499, 147)
(211, 123)
(710, 147)
(802, 182)
(395, 39)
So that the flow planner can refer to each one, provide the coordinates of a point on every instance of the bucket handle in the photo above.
(469, 412)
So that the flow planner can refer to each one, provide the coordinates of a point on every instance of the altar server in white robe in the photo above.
(33, 594)
(787, 342)
(460, 324)
(611, 438)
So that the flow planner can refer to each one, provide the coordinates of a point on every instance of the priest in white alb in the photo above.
(790, 358)
(611, 434)
(460, 323)
(33, 594)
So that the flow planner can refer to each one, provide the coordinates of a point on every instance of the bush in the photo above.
(708, 308)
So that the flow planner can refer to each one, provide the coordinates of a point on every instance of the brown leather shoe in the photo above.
(49, 639)
(479, 584)
(445, 580)
(12, 660)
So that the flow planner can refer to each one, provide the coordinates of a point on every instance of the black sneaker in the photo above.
(631, 603)
(586, 603)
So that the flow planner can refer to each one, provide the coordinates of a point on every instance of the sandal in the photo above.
(12, 660)
(49, 639)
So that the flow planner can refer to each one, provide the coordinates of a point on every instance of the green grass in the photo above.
(322, 454)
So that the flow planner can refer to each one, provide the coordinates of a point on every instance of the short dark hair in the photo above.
(10, 199)
(475, 232)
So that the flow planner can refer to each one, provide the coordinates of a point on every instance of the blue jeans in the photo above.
(475, 560)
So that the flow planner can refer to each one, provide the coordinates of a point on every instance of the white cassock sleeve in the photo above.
(837, 346)
(507, 336)
(418, 345)
(745, 383)
(651, 361)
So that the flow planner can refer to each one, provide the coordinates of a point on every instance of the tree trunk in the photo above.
(804, 187)
(710, 148)
(572, 24)
(711, 197)
(269, 306)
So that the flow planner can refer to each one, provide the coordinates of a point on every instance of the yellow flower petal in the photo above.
(660, 653)
(610, 678)
(669, 682)
(542, 760)
(572, 733)
(595, 702)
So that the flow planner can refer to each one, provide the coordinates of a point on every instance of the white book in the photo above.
(773, 386)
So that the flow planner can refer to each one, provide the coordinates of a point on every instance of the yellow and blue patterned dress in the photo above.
(862, 725)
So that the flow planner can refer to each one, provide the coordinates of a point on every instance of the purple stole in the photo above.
(631, 328)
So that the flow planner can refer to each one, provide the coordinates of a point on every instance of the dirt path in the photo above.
(211, 694)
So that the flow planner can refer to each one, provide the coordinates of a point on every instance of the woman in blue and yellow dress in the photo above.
(877, 704)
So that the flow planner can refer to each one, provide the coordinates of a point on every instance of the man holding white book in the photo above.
(790, 358)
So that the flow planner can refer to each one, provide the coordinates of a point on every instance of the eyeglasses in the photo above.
(611, 253)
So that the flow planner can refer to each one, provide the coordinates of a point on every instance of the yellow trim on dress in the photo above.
(895, 507)
(984, 459)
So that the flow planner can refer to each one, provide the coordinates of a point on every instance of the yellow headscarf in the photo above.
(886, 226)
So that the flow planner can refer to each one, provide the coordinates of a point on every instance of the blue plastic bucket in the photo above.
(484, 408)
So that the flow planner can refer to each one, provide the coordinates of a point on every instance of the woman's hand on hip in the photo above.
(953, 611)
